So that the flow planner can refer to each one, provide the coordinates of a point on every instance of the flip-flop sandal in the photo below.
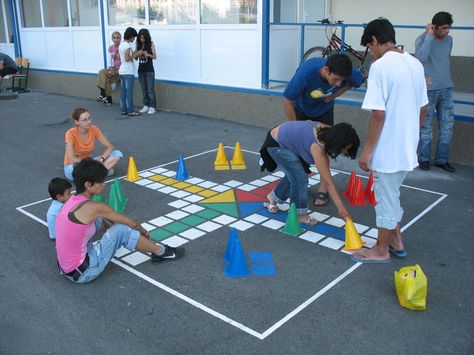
(363, 260)
(397, 253)
(322, 196)
(310, 220)
(123, 113)
(135, 114)
(272, 207)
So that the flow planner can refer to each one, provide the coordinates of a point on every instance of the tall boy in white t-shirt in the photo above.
(396, 96)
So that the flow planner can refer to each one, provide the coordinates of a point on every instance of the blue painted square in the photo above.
(323, 228)
(260, 257)
(248, 208)
(263, 270)
(339, 234)
(280, 215)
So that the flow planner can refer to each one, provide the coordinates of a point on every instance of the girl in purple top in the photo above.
(295, 146)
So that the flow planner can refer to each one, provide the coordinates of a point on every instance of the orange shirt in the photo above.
(82, 149)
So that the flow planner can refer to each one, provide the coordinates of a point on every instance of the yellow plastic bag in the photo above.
(412, 286)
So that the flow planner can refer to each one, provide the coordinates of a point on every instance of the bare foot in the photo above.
(272, 206)
(372, 255)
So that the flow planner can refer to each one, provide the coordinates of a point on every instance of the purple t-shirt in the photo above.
(298, 136)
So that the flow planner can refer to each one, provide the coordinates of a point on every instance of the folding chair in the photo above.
(21, 78)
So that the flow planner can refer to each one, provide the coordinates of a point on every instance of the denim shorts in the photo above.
(70, 167)
(387, 193)
(102, 251)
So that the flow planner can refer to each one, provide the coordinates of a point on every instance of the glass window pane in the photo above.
(126, 12)
(3, 35)
(30, 13)
(228, 11)
(172, 12)
(9, 23)
(85, 12)
(55, 13)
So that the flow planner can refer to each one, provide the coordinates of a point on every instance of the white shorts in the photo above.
(387, 193)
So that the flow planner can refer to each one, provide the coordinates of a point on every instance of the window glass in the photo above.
(30, 13)
(9, 23)
(228, 11)
(126, 12)
(85, 12)
(3, 35)
(55, 13)
(172, 12)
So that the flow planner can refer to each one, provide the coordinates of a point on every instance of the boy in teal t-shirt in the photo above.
(60, 191)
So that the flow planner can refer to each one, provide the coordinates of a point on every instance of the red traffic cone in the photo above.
(358, 199)
(350, 186)
(369, 190)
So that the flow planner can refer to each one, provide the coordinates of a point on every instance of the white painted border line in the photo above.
(19, 209)
(425, 211)
(189, 300)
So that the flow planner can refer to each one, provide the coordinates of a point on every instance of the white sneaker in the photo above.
(144, 109)
(151, 111)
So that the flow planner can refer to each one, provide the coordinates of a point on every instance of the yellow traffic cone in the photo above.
(237, 161)
(353, 241)
(132, 173)
(221, 162)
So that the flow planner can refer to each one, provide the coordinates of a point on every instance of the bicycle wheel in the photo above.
(315, 52)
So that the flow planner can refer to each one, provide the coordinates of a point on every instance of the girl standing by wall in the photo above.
(146, 72)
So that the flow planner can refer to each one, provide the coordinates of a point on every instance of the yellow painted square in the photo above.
(157, 177)
(207, 193)
(169, 181)
(194, 189)
(181, 185)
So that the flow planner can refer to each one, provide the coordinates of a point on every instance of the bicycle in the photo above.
(363, 59)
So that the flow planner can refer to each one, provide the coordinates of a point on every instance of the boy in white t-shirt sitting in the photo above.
(60, 191)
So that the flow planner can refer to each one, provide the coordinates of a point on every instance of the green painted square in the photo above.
(176, 227)
(159, 234)
(208, 214)
(193, 220)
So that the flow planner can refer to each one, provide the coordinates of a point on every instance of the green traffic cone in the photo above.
(292, 226)
(122, 201)
(114, 202)
(99, 198)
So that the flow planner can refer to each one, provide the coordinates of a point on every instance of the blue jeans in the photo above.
(295, 182)
(440, 104)
(147, 82)
(126, 94)
(68, 169)
(103, 250)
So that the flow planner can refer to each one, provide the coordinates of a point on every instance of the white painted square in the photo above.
(177, 214)
(209, 226)
(313, 169)
(169, 173)
(178, 203)
(192, 233)
(207, 184)
(312, 236)
(283, 206)
(242, 225)
(373, 233)
(259, 182)
(148, 227)
(319, 216)
(270, 178)
(193, 208)
(224, 219)
(369, 242)
(136, 258)
(159, 170)
(316, 176)
(279, 174)
(146, 174)
(256, 218)
(220, 188)
(121, 252)
(312, 181)
(193, 198)
(334, 173)
(174, 241)
(360, 228)
(336, 222)
(194, 180)
(160, 221)
(180, 194)
(233, 183)
(332, 243)
(168, 190)
(143, 182)
(247, 187)
(155, 185)
(273, 224)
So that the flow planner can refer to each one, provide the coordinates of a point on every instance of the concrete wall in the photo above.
(254, 109)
